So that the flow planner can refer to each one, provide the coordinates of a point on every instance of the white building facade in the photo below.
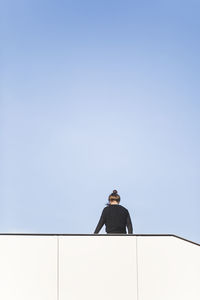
(96, 267)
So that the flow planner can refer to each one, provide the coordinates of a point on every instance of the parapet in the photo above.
(96, 267)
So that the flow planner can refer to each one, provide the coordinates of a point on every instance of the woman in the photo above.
(115, 217)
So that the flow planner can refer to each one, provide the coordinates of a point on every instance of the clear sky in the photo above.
(96, 96)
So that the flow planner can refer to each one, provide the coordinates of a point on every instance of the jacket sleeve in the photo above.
(101, 222)
(129, 224)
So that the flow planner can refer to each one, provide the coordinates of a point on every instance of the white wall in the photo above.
(168, 269)
(28, 268)
(94, 267)
(98, 267)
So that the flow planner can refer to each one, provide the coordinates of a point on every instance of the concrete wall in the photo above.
(168, 269)
(98, 267)
(28, 268)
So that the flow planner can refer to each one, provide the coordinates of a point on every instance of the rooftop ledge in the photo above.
(99, 235)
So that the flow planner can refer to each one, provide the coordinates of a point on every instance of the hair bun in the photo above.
(114, 196)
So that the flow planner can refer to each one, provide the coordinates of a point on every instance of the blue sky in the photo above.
(97, 95)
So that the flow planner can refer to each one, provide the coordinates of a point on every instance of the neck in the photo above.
(114, 202)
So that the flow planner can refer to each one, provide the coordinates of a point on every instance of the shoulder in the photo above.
(124, 208)
(105, 209)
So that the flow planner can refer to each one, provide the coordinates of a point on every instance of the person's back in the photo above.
(115, 217)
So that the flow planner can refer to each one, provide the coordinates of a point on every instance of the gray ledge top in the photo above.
(124, 235)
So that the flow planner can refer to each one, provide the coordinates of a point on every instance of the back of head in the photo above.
(114, 196)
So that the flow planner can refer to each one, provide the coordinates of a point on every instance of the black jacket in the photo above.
(116, 218)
